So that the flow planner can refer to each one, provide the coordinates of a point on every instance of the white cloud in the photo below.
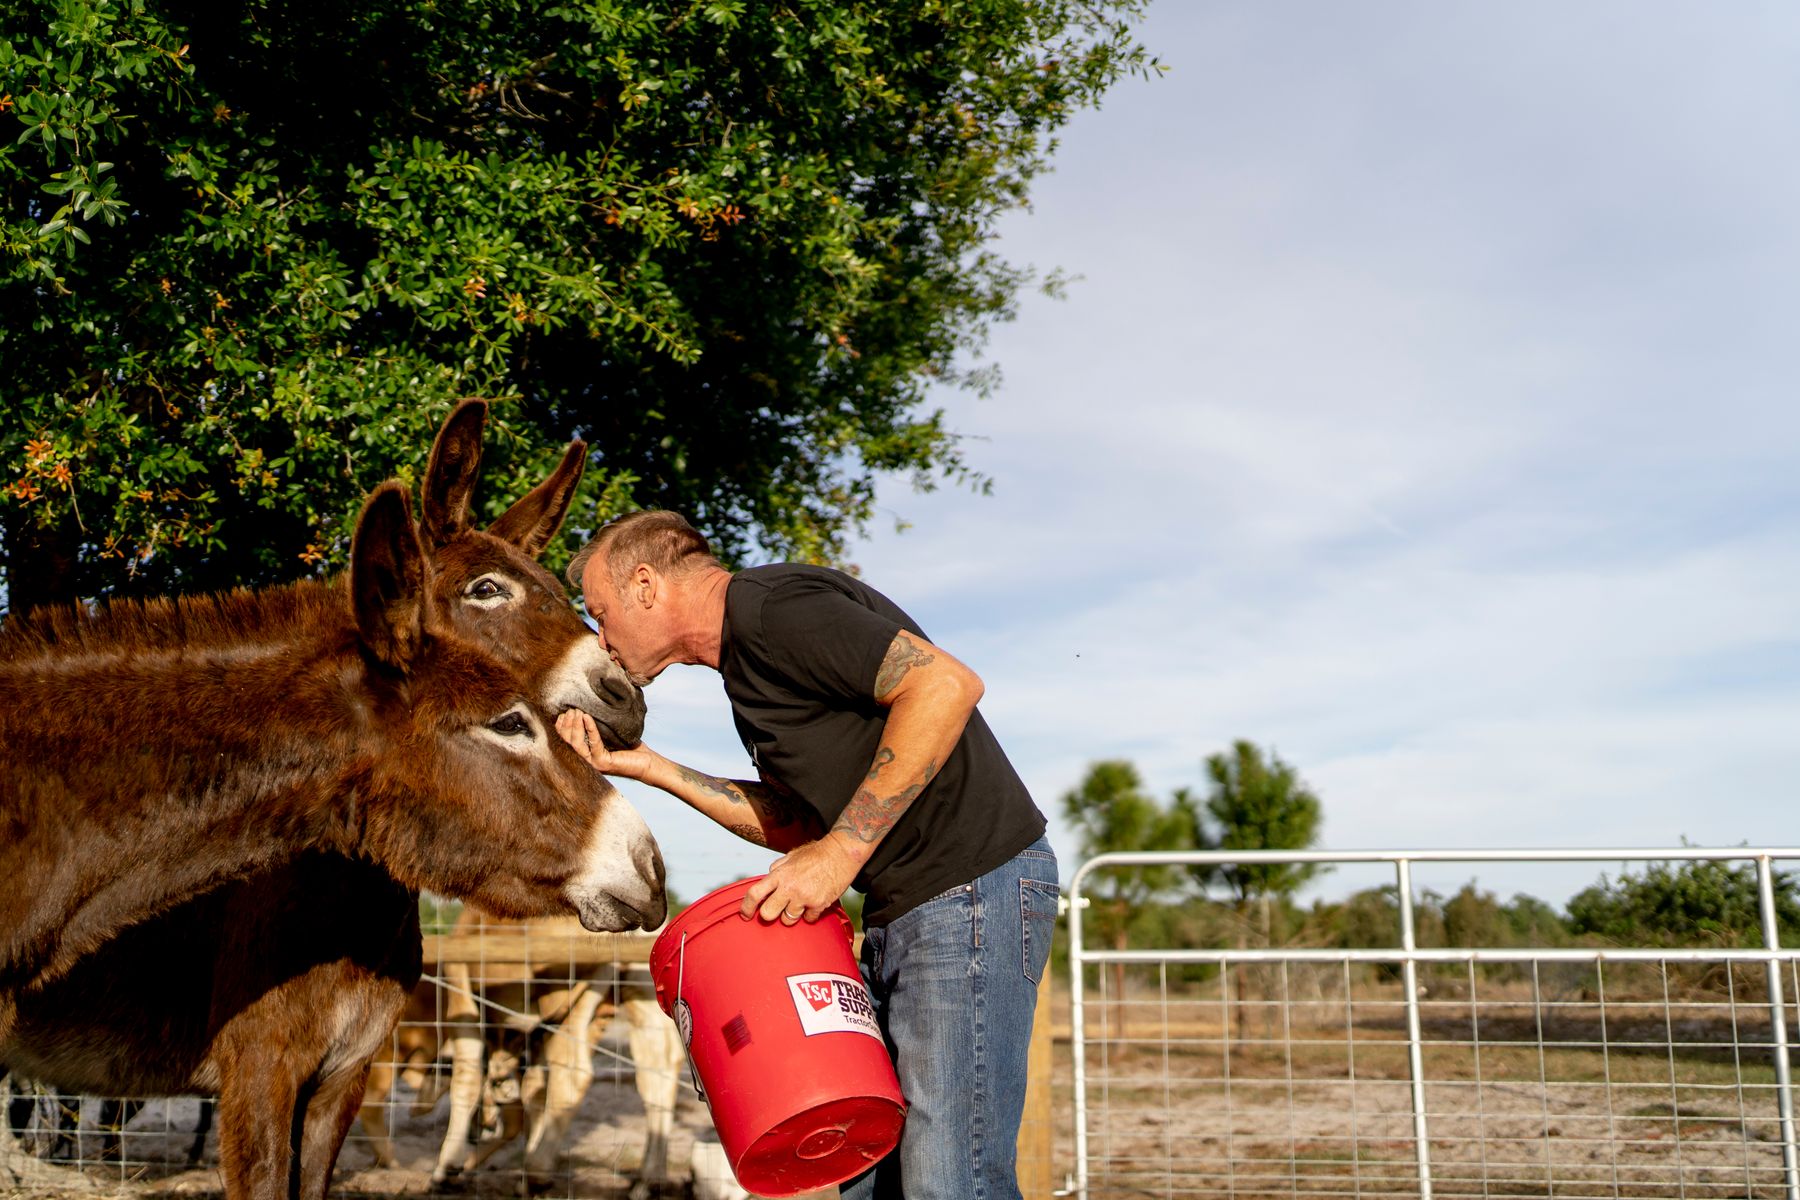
(1424, 413)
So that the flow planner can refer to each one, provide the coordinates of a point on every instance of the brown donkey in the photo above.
(276, 989)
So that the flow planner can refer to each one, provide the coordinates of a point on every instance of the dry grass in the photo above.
(1526, 1093)
(1545, 1092)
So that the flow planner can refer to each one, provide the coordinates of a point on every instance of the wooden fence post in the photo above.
(1037, 1170)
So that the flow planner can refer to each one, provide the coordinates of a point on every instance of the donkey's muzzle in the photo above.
(621, 885)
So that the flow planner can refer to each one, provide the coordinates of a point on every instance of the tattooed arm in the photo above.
(754, 811)
(929, 697)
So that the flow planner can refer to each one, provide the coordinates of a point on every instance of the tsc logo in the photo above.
(831, 1003)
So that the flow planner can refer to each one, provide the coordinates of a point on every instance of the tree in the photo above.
(1260, 804)
(1473, 917)
(1694, 902)
(250, 253)
(1534, 923)
(1110, 811)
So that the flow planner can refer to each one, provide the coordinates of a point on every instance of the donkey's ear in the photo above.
(534, 520)
(451, 473)
(387, 577)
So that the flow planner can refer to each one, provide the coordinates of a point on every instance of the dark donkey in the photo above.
(275, 990)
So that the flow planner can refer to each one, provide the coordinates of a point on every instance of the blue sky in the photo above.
(1423, 412)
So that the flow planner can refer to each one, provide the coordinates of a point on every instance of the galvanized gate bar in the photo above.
(1408, 955)
(1784, 1090)
(1415, 1054)
(1078, 1029)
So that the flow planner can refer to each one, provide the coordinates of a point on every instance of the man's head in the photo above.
(633, 577)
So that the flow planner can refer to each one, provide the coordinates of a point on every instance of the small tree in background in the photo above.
(1684, 904)
(1473, 917)
(1110, 811)
(1535, 923)
(1260, 803)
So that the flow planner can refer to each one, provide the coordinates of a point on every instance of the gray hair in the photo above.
(654, 536)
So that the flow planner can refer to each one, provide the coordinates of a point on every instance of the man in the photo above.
(875, 770)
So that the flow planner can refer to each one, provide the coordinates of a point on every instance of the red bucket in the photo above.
(783, 1042)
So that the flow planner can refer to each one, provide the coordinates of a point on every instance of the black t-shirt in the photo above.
(801, 647)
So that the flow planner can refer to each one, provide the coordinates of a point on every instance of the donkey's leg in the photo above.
(569, 1062)
(466, 1052)
(203, 1124)
(256, 1115)
(431, 1085)
(378, 1111)
(510, 1086)
(462, 1032)
(656, 1054)
(65, 1109)
(328, 1118)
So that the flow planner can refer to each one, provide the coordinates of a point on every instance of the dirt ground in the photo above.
(1526, 1096)
(1577, 1100)
(606, 1148)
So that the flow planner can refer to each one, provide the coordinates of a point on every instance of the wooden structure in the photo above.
(507, 945)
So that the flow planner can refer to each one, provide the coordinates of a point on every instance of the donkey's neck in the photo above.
(132, 782)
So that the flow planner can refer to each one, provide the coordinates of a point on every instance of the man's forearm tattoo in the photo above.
(902, 656)
(713, 785)
(749, 832)
(773, 810)
(868, 817)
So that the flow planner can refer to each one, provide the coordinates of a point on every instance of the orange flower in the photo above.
(731, 214)
(37, 448)
(314, 553)
(687, 207)
(6, 102)
(61, 474)
(166, 286)
(25, 490)
(475, 285)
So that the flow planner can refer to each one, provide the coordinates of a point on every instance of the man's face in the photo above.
(627, 624)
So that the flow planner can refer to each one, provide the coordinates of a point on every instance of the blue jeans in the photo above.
(955, 985)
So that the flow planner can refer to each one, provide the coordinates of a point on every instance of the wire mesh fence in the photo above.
(531, 1059)
(1391, 1070)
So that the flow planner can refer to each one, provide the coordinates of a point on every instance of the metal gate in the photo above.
(1380, 1071)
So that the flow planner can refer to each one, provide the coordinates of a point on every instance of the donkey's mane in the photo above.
(271, 615)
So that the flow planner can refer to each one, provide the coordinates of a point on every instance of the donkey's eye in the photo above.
(511, 724)
(485, 588)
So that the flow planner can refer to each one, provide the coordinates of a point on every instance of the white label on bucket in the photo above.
(833, 1004)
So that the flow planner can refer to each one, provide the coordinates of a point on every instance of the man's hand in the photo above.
(805, 881)
(578, 729)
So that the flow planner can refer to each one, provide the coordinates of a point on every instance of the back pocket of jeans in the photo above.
(1037, 916)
